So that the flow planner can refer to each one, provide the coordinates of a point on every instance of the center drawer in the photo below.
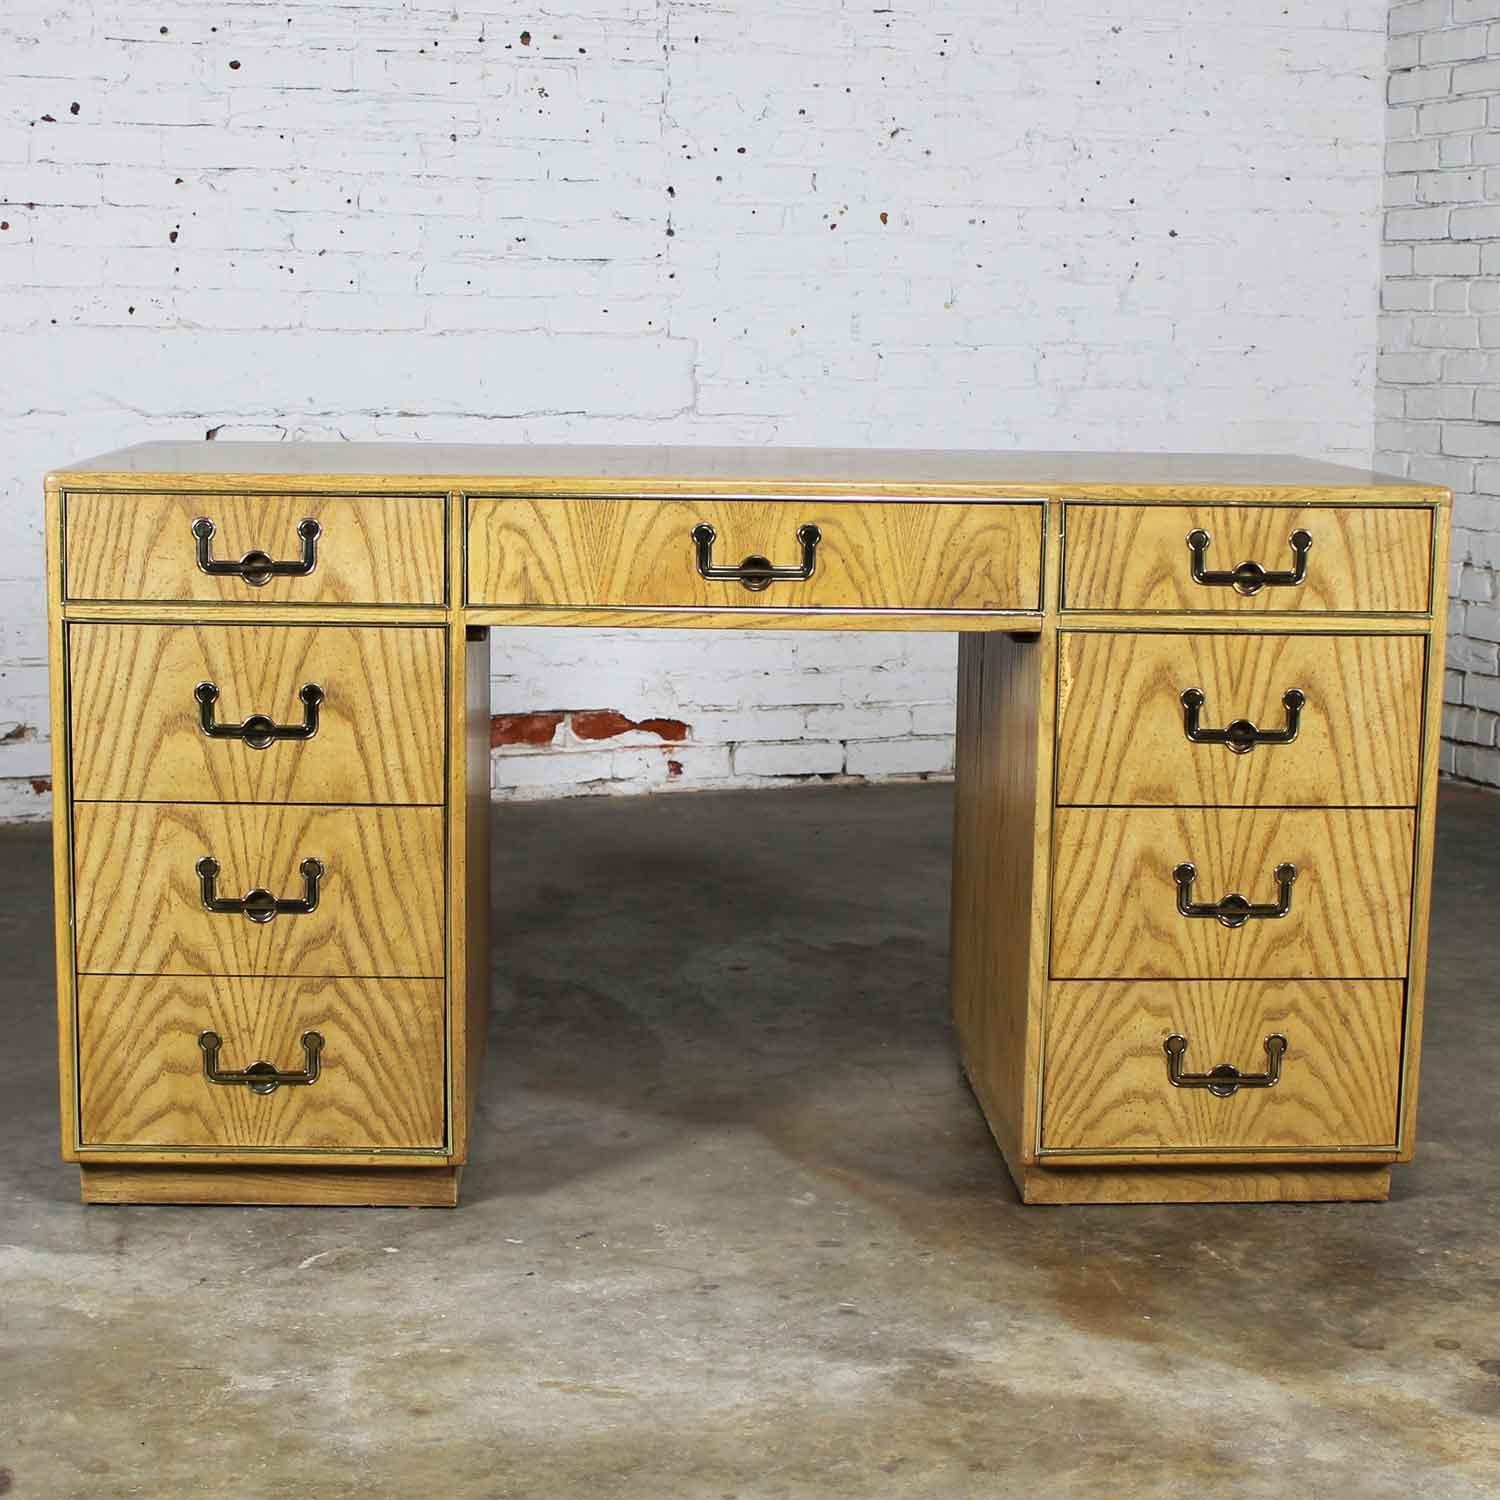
(1122, 875)
(256, 713)
(377, 905)
(143, 1075)
(1168, 720)
(801, 554)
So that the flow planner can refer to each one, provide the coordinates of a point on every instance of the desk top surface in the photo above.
(518, 466)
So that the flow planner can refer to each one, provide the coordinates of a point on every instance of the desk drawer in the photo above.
(1115, 895)
(368, 549)
(379, 1080)
(378, 904)
(1354, 704)
(369, 700)
(651, 554)
(1107, 1084)
(1361, 559)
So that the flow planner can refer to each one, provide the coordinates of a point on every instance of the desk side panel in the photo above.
(62, 828)
(995, 872)
(1432, 734)
(469, 843)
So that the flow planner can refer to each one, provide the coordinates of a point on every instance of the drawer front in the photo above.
(642, 554)
(1363, 560)
(139, 900)
(1107, 1086)
(140, 725)
(370, 549)
(1115, 898)
(380, 1069)
(1123, 726)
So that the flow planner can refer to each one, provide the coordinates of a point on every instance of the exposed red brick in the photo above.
(41, 785)
(664, 729)
(600, 724)
(523, 729)
(586, 723)
(606, 723)
(674, 769)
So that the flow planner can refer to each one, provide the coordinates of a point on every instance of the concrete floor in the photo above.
(736, 1229)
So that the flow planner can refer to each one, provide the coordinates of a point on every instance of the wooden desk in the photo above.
(1198, 708)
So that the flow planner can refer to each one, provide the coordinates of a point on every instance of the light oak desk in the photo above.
(1197, 730)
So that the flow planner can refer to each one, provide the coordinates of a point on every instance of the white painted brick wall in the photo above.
(1121, 223)
(1439, 366)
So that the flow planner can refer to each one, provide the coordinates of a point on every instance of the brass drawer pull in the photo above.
(1249, 577)
(1241, 735)
(261, 1077)
(1234, 910)
(1225, 1079)
(756, 572)
(259, 905)
(258, 731)
(258, 568)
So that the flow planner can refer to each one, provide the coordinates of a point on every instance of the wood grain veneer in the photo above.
(1121, 738)
(374, 549)
(996, 854)
(137, 736)
(141, 1081)
(469, 878)
(1205, 1184)
(1106, 1085)
(380, 906)
(323, 1187)
(1077, 789)
(1114, 900)
(535, 468)
(640, 554)
(1426, 836)
(1135, 557)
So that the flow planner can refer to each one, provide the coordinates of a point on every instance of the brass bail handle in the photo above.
(1240, 735)
(259, 905)
(756, 572)
(259, 731)
(1249, 578)
(1225, 1079)
(262, 1077)
(1234, 910)
(257, 568)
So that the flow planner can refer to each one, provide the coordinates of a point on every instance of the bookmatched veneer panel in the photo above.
(371, 549)
(1114, 895)
(138, 725)
(141, 1068)
(1107, 1087)
(1362, 559)
(554, 553)
(139, 893)
(1122, 736)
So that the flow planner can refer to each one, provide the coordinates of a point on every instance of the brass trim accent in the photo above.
(259, 732)
(259, 905)
(261, 1077)
(756, 572)
(1234, 910)
(1249, 578)
(1240, 735)
(1225, 1079)
(258, 568)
